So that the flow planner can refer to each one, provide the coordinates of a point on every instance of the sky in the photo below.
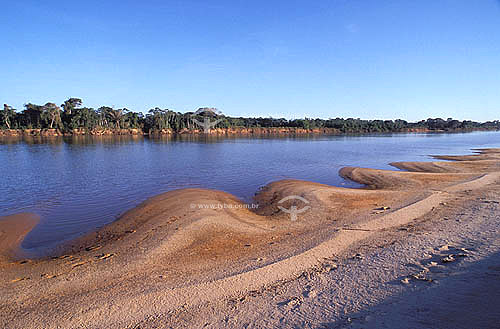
(371, 59)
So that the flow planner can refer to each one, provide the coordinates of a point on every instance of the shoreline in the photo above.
(199, 255)
(237, 131)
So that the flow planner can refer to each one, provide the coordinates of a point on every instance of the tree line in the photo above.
(73, 115)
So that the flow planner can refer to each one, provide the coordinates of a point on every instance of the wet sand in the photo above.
(13, 229)
(175, 258)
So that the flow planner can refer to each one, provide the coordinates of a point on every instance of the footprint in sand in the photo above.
(24, 261)
(93, 248)
(80, 264)
(19, 279)
(105, 256)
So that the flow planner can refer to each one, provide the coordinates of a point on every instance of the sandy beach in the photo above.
(417, 245)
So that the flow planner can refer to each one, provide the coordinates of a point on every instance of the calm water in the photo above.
(78, 184)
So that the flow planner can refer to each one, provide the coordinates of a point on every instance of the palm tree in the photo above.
(116, 116)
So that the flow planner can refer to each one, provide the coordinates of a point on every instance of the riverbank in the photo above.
(74, 132)
(255, 131)
(178, 259)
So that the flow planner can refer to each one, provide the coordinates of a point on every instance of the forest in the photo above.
(73, 115)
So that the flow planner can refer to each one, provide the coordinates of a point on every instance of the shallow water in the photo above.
(78, 184)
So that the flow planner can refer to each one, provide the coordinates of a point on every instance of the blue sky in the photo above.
(350, 58)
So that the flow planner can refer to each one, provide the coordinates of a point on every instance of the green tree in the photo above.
(33, 115)
(116, 116)
(103, 116)
(53, 113)
(8, 115)
(70, 105)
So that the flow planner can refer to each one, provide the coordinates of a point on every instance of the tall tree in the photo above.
(7, 115)
(103, 116)
(33, 115)
(53, 113)
(116, 116)
(70, 104)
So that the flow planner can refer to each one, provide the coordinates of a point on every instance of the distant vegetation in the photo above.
(72, 115)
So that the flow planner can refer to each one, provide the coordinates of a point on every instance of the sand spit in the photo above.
(13, 229)
(482, 154)
(188, 248)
